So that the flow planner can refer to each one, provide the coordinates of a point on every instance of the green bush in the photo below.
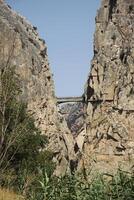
(22, 154)
(75, 187)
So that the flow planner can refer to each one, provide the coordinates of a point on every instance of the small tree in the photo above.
(22, 154)
(9, 112)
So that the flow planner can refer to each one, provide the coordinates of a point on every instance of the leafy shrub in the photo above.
(75, 187)
(22, 154)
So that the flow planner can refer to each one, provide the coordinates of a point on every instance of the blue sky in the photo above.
(67, 27)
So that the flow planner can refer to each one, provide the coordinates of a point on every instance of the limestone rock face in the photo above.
(110, 87)
(74, 115)
(21, 46)
(106, 140)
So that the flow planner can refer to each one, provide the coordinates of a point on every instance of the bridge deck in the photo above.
(69, 99)
(79, 99)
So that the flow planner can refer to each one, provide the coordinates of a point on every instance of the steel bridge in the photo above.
(80, 99)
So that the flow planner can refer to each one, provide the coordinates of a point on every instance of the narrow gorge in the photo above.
(96, 134)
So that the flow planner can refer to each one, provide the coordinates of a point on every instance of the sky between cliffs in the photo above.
(67, 27)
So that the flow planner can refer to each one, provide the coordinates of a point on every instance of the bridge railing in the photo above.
(79, 99)
(69, 99)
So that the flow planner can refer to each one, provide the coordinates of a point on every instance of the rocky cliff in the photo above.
(21, 47)
(106, 140)
(110, 89)
(103, 130)
(74, 114)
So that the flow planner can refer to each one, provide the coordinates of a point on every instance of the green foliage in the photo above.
(120, 187)
(22, 154)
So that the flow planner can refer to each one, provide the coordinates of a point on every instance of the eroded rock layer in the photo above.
(110, 116)
(21, 47)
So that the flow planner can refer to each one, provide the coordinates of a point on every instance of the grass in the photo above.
(6, 194)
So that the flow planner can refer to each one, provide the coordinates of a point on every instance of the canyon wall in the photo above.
(21, 47)
(102, 136)
(109, 141)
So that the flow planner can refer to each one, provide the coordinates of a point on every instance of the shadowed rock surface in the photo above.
(74, 115)
(21, 46)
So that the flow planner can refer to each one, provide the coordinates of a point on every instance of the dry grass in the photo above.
(9, 195)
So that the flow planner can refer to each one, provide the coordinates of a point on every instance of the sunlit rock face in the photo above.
(103, 130)
(20, 43)
(110, 118)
